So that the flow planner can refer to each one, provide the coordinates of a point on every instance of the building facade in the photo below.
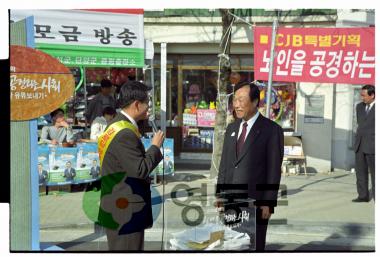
(193, 37)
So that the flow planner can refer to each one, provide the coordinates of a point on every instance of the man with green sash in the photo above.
(125, 205)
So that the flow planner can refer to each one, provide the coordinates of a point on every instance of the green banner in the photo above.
(91, 56)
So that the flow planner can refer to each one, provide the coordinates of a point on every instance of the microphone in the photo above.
(152, 123)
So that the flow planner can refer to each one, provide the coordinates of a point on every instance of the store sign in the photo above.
(206, 118)
(89, 37)
(189, 119)
(39, 83)
(323, 55)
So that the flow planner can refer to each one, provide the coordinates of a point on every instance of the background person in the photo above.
(102, 100)
(59, 132)
(100, 123)
(365, 144)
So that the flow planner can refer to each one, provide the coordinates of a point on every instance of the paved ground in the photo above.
(315, 214)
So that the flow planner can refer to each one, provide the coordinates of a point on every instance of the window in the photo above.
(283, 102)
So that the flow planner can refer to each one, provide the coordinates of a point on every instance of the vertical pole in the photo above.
(163, 87)
(33, 139)
(272, 55)
(153, 107)
(152, 91)
(85, 100)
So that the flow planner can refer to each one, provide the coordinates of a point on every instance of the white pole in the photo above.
(163, 87)
(153, 108)
(272, 55)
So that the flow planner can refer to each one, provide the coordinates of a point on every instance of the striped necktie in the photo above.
(367, 108)
(241, 139)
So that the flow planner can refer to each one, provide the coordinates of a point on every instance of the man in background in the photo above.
(100, 123)
(102, 100)
(365, 144)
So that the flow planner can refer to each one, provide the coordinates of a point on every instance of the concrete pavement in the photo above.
(315, 214)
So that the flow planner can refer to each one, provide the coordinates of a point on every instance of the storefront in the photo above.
(195, 53)
(192, 95)
(92, 50)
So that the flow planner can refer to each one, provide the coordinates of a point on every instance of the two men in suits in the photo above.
(365, 144)
(125, 207)
(252, 156)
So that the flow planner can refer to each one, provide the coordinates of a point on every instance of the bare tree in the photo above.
(222, 103)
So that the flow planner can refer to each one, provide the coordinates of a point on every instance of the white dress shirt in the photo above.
(129, 118)
(97, 127)
(370, 106)
(250, 123)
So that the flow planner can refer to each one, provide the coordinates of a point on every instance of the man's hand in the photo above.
(158, 138)
(265, 212)
(54, 142)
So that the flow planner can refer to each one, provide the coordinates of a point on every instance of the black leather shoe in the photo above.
(359, 200)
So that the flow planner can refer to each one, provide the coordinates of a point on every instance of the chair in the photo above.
(293, 151)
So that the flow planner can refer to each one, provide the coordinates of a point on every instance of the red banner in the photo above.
(324, 55)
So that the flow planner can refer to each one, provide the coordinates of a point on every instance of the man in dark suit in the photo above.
(168, 165)
(95, 170)
(252, 155)
(365, 144)
(125, 207)
(69, 172)
(42, 174)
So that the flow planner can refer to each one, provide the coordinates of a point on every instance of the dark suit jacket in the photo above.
(168, 165)
(43, 177)
(365, 134)
(259, 163)
(126, 154)
(69, 174)
(95, 171)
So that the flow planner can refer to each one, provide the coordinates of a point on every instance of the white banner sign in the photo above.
(86, 28)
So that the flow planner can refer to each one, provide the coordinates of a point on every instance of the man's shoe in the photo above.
(359, 200)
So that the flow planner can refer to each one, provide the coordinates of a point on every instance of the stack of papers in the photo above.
(209, 237)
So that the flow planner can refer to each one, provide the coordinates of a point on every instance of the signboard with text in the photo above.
(89, 37)
(39, 83)
(323, 55)
(206, 117)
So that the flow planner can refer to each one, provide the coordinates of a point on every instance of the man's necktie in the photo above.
(367, 108)
(241, 139)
